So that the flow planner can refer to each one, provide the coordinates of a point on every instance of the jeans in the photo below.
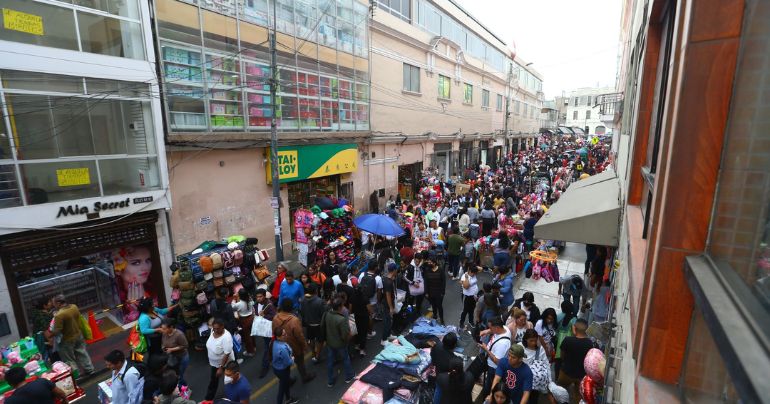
(183, 363)
(331, 355)
(75, 354)
(387, 324)
(437, 303)
(437, 395)
(284, 383)
(469, 305)
(490, 375)
(454, 265)
(265, 353)
(575, 300)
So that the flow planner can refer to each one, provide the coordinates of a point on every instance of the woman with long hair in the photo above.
(454, 386)
(243, 306)
(546, 329)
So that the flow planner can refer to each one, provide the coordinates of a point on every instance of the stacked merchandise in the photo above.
(213, 265)
(24, 353)
(334, 229)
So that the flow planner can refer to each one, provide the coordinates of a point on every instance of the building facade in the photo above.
(83, 177)
(582, 112)
(691, 284)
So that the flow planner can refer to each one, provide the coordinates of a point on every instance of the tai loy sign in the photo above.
(297, 163)
(99, 206)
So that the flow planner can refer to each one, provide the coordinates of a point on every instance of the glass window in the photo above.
(499, 102)
(574, 115)
(110, 36)
(400, 8)
(255, 11)
(10, 194)
(59, 181)
(444, 86)
(123, 8)
(411, 78)
(40, 29)
(123, 176)
(19, 80)
(327, 28)
(71, 126)
(484, 98)
(468, 95)
(588, 114)
(285, 14)
(32, 126)
(517, 107)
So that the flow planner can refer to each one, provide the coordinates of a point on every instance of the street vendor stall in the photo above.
(24, 353)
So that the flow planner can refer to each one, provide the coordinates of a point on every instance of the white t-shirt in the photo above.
(377, 281)
(473, 290)
(219, 347)
(546, 332)
(534, 355)
(499, 349)
(435, 235)
(336, 279)
(242, 308)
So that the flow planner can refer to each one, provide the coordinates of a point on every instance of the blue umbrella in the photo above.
(381, 225)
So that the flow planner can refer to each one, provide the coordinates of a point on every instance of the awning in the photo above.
(588, 212)
(565, 130)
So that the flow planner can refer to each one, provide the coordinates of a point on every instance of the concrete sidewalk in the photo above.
(571, 262)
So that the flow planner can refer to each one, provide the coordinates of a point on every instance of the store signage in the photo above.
(22, 22)
(297, 163)
(76, 209)
(69, 177)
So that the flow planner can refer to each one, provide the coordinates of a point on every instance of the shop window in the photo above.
(59, 181)
(54, 26)
(468, 94)
(110, 36)
(20, 80)
(444, 87)
(123, 8)
(485, 99)
(256, 11)
(411, 78)
(123, 176)
(360, 27)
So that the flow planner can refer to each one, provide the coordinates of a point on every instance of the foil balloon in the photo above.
(588, 390)
(594, 364)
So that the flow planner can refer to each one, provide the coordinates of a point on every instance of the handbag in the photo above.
(136, 340)
(201, 298)
(352, 325)
(218, 282)
(186, 285)
(262, 327)
(85, 329)
(175, 294)
(261, 273)
(219, 273)
(230, 279)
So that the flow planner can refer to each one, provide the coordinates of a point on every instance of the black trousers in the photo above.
(211, 391)
(437, 303)
(469, 305)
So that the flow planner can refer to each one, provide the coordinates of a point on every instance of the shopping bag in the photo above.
(136, 340)
(237, 343)
(85, 329)
(262, 327)
(352, 325)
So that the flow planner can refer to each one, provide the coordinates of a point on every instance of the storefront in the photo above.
(483, 152)
(313, 171)
(466, 156)
(409, 180)
(98, 267)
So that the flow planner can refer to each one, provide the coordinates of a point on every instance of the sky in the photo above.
(572, 43)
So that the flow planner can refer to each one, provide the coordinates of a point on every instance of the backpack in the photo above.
(135, 396)
(368, 286)
(225, 313)
(216, 260)
(206, 263)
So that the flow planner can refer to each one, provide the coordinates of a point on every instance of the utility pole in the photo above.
(274, 142)
(508, 100)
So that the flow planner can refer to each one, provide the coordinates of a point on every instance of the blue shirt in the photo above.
(281, 355)
(145, 321)
(506, 290)
(238, 391)
(295, 292)
(516, 380)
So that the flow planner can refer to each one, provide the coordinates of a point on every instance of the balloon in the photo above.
(594, 365)
(588, 390)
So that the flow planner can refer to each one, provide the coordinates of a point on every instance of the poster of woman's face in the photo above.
(132, 266)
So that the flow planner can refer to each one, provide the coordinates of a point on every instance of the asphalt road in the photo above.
(316, 391)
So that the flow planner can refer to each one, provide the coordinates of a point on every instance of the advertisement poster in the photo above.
(132, 266)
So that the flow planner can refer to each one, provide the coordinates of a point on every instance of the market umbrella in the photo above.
(381, 225)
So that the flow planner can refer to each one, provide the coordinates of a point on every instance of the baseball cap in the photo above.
(516, 350)
(392, 267)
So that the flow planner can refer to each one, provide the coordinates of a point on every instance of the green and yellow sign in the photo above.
(296, 163)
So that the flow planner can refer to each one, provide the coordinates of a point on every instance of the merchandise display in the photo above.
(24, 353)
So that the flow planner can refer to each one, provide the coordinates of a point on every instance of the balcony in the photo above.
(610, 108)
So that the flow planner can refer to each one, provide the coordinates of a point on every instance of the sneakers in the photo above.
(315, 360)
(239, 360)
(347, 381)
(248, 355)
(371, 334)
(330, 385)
(292, 400)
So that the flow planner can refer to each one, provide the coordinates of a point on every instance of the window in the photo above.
(444, 86)
(517, 107)
(485, 99)
(468, 94)
(532, 112)
(574, 115)
(588, 114)
(499, 102)
(589, 100)
(411, 78)
(577, 101)
(74, 144)
(400, 8)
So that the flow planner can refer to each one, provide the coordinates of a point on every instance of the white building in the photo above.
(83, 178)
(582, 111)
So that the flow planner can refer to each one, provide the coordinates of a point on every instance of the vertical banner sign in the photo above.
(23, 22)
(297, 163)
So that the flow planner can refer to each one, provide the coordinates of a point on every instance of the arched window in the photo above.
(600, 130)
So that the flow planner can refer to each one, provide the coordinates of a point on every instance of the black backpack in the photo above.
(368, 286)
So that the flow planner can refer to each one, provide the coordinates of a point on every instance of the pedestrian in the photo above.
(573, 353)
(571, 288)
(282, 360)
(455, 386)
(336, 332)
(470, 288)
(442, 353)
(455, 244)
(502, 253)
(72, 348)
(292, 327)
(487, 219)
(331, 267)
(153, 376)
(435, 288)
(244, 311)
(280, 275)
(237, 388)
(527, 303)
(126, 381)
(546, 329)
(150, 318)
(38, 391)
(389, 300)
(414, 278)
(316, 276)
(169, 390)
(518, 324)
(175, 345)
(291, 290)
(537, 360)
(266, 310)
(219, 347)
(313, 309)
(219, 308)
(370, 283)
(514, 375)
(495, 350)
(506, 287)
(564, 322)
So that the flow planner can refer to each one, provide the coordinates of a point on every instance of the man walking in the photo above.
(292, 328)
(515, 374)
(455, 244)
(571, 288)
(126, 383)
(495, 350)
(312, 311)
(72, 347)
(573, 353)
(389, 298)
(336, 332)
(292, 291)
